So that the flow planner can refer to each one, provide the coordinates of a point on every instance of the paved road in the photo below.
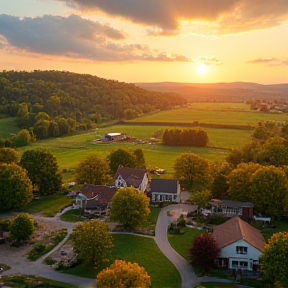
(185, 269)
(21, 265)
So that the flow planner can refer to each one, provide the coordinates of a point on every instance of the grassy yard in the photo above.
(218, 285)
(49, 205)
(73, 215)
(182, 243)
(7, 126)
(145, 252)
(281, 226)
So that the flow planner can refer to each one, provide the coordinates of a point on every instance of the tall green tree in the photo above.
(130, 207)
(9, 155)
(274, 260)
(93, 170)
(42, 169)
(189, 167)
(22, 227)
(239, 181)
(125, 275)
(121, 157)
(92, 240)
(139, 159)
(269, 191)
(15, 187)
(201, 198)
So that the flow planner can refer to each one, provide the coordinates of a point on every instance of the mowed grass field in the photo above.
(214, 113)
(69, 151)
(8, 126)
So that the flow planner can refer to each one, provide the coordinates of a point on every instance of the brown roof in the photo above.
(105, 194)
(236, 229)
(133, 177)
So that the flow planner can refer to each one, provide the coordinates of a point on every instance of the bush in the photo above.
(50, 261)
(22, 227)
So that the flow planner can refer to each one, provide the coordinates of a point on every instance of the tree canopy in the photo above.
(93, 170)
(22, 227)
(9, 155)
(274, 260)
(15, 187)
(122, 274)
(189, 167)
(73, 101)
(204, 251)
(42, 169)
(130, 207)
(92, 240)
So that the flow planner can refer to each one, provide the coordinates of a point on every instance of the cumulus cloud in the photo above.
(73, 37)
(223, 16)
(209, 60)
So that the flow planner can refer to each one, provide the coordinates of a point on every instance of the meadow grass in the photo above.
(213, 116)
(138, 249)
(49, 205)
(182, 243)
(7, 126)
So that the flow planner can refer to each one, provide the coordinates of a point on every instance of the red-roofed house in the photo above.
(96, 198)
(129, 177)
(241, 245)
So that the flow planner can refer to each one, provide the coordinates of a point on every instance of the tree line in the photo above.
(55, 103)
(188, 137)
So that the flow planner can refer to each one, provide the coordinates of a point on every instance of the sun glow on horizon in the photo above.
(202, 69)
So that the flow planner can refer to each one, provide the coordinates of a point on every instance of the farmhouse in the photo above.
(232, 208)
(162, 190)
(130, 177)
(96, 198)
(241, 245)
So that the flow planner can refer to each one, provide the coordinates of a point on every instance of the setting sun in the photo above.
(202, 69)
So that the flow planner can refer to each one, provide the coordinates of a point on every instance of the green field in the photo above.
(8, 126)
(145, 252)
(214, 113)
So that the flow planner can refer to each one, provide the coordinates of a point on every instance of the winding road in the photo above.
(185, 269)
(21, 265)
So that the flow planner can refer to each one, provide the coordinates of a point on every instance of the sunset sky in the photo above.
(149, 40)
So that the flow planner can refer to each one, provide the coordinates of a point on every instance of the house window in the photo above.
(243, 264)
(234, 263)
(241, 250)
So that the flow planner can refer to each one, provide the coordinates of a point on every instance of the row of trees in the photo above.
(189, 137)
(36, 171)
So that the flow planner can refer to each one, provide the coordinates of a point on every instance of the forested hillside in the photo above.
(55, 103)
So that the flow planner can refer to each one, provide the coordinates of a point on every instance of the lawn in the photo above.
(218, 285)
(49, 205)
(281, 226)
(8, 126)
(145, 252)
(205, 114)
(73, 215)
(182, 243)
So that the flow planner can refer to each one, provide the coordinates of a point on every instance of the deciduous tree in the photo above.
(15, 187)
(274, 260)
(92, 240)
(121, 157)
(201, 198)
(269, 191)
(239, 181)
(122, 274)
(9, 155)
(42, 169)
(189, 167)
(204, 251)
(130, 207)
(22, 227)
(93, 170)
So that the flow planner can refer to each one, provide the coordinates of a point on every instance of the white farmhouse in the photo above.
(241, 245)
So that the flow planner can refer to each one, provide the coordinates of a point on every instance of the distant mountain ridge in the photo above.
(221, 92)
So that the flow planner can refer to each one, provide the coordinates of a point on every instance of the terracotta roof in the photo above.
(164, 186)
(236, 229)
(105, 194)
(133, 177)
